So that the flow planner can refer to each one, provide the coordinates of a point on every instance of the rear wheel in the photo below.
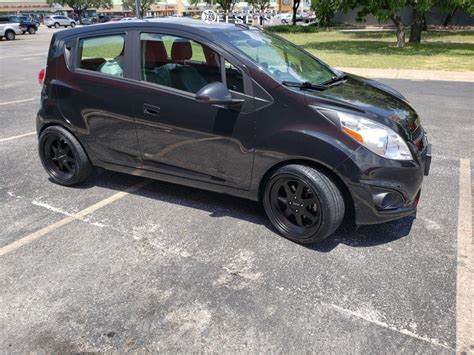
(63, 157)
(31, 30)
(56, 25)
(303, 204)
(10, 35)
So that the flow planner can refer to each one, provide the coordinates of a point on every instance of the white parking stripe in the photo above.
(77, 216)
(16, 102)
(465, 267)
(15, 137)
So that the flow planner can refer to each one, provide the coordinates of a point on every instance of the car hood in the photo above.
(377, 100)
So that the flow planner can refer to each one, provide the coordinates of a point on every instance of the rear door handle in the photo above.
(151, 110)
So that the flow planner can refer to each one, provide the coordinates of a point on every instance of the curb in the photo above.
(412, 74)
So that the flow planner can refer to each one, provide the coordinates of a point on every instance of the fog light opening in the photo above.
(388, 200)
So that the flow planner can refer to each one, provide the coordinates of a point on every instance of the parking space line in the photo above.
(465, 267)
(15, 137)
(16, 102)
(77, 216)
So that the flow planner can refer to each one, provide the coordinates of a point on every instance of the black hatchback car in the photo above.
(235, 110)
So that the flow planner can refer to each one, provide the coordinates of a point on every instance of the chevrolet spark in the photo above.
(232, 109)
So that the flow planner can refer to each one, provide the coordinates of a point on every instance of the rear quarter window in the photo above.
(104, 54)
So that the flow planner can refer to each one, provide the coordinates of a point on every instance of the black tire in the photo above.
(303, 204)
(63, 157)
(31, 30)
(24, 32)
(73, 24)
(49, 26)
(9, 35)
(56, 25)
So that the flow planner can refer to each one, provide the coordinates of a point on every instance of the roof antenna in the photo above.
(137, 9)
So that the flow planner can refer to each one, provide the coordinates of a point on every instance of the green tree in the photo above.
(261, 5)
(325, 10)
(79, 6)
(145, 5)
(385, 10)
(226, 5)
(452, 6)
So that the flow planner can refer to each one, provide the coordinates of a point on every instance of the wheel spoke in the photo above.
(67, 166)
(287, 190)
(282, 199)
(311, 217)
(288, 212)
(299, 190)
(66, 149)
(310, 201)
(299, 220)
(60, 165)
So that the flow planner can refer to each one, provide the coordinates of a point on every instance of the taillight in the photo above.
(41, 75)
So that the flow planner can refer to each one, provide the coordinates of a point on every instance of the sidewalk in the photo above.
(412, 74)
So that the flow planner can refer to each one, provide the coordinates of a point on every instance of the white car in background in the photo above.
(8, 29)
(286, 17)
(57, 21)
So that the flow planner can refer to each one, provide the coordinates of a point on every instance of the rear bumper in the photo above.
(384, 190)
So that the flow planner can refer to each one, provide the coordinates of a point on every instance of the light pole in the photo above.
(137, 9)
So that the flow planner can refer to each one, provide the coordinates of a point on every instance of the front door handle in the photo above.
(151, 110)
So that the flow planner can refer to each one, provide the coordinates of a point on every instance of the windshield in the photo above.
(278, 57)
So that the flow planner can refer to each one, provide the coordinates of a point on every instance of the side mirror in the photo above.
(216, 93)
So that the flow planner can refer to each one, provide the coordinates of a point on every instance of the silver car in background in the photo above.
(57, 21)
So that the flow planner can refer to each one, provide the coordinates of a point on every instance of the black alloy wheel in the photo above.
(60, 159)
(295, 205)
(303, 204)
(63, 157)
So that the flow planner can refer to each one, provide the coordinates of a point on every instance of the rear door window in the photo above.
(104, 54)
(178, 62)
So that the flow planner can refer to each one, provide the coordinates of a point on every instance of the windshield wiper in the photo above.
(335, 80)
(305, 85)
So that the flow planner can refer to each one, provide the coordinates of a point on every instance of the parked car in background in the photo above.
(9, 29)
(284, 17)
(103, 19)
(128, 19)
(57, 21)
(88, 21)
(116, 18)
(26, 24)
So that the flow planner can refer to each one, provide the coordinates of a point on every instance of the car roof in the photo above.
(198, 27)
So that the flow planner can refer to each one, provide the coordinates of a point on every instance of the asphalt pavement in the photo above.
(170, 268)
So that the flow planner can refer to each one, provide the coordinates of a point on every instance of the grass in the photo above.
(438, 50)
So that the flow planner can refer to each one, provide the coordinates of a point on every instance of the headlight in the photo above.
(376, 137)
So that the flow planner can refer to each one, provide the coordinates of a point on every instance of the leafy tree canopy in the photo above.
(145, 5)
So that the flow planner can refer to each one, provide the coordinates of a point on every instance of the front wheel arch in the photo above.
(349, 202)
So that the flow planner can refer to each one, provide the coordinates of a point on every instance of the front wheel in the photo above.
(303, 204)
(73, 24)
(63, 157)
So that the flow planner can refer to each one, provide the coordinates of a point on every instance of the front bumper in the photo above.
(384, 190)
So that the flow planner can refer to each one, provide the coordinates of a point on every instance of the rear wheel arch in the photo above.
(67, 129)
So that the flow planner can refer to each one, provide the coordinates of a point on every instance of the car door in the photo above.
(178, 135)
(94, 93)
